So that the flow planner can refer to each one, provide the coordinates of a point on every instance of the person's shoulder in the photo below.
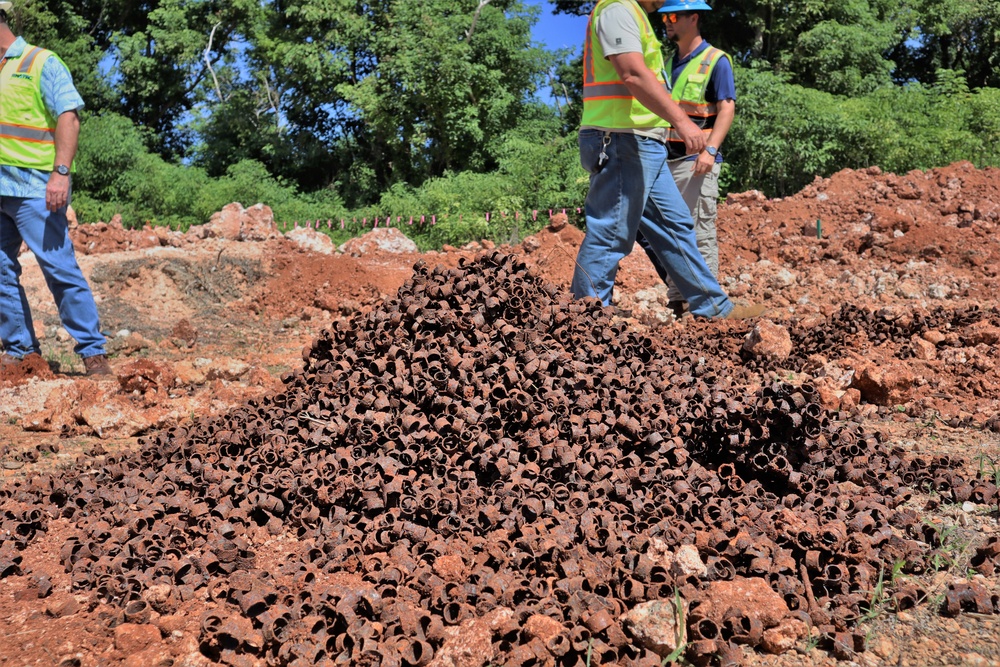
(619, 12)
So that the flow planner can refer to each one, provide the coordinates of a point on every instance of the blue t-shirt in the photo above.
(721, 85)
(60, 96)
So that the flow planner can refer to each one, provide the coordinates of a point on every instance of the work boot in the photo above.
(97, 365)
(678, 308)
(746, 312)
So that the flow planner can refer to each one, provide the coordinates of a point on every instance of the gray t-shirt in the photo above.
(618, 32)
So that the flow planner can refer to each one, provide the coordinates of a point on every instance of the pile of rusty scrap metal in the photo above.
(483, 442)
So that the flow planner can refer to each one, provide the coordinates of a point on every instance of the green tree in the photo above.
(394, 91)
(945, 34)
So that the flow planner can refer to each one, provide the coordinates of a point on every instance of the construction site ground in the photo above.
(197, 326)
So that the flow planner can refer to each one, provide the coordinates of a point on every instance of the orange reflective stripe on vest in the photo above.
(607, 101)
(689, 93)
(27, 128)
(26, 133)
(28, 59)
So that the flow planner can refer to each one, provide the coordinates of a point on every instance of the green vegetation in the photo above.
(328, 109)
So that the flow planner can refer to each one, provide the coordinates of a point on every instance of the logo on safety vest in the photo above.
(20, 75)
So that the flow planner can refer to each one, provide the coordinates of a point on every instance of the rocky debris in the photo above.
(785, 636)
(407, 459)
(311, 240)
(469, 645)
(769, 341)
(102, 237)
(236, 223)
(887, 384)
(657, 625)
(387, 239)
(143, 376)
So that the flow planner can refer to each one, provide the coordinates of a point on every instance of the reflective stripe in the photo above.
(706, 62)
(592, 90)
(28, 133)
(699, 110)
(608, 103)
(28, 59)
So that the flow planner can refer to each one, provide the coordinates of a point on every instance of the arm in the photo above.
(724, 121)
(643, 85)
(67, 135)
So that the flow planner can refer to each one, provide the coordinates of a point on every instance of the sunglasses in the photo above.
(673, 17)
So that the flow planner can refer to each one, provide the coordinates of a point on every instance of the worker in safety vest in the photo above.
(628, 115)
(701, 82)
(39, 128)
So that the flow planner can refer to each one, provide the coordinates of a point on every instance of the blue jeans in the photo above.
(47, 236)
(633, 189)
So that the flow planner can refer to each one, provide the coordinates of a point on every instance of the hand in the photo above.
(704, 163)
(694, 138)
(56, 192)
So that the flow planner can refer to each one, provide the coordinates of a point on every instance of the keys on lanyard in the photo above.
(603, 157)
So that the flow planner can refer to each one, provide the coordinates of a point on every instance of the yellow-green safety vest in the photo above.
(689, 93)
(27, 129)
(607, 102)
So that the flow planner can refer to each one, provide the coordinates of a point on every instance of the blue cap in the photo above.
(685, 6)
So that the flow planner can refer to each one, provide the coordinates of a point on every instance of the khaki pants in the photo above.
(701, 194)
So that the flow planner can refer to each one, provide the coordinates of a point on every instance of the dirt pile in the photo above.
(482, 447)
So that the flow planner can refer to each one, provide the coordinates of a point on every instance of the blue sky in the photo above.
(558, 31)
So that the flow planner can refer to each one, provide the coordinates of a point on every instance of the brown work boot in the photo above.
(97, 365)
(746, 312)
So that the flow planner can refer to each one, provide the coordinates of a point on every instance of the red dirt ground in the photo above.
(198, 325)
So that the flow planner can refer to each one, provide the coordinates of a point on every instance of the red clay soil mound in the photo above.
(942, 221)
(33, 366)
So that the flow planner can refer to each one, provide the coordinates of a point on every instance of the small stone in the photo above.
(687, 562)
(938, 291)
(968, 506)
(62, 608)
(882, 647)
(654, 626)
(543, 627)
(923, 349)
(768, 340)
(784, 636)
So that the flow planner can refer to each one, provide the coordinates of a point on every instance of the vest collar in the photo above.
(16, 49)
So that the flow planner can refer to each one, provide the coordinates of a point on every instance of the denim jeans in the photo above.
(47, 236)
(633, 189)
(701, 194)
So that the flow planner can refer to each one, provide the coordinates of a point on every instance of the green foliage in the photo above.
(785, 135)
(538, 168)
(841, 59)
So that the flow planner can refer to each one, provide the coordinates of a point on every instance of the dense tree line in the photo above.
(333, 108)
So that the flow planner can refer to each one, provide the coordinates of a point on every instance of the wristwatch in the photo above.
(711, 150)
(61, 169)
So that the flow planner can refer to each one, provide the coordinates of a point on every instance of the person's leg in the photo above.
(614, 206)
(17, 332)
(701, 194)
(669, 229)
(47, 236)
(660, 271)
